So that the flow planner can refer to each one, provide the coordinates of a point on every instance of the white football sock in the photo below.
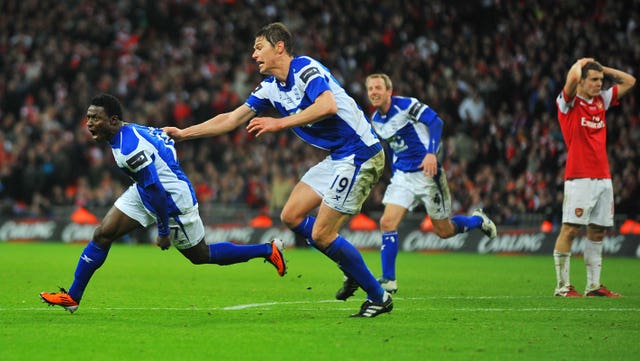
(593, 261)
(562, 262)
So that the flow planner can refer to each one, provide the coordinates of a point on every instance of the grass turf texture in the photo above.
(145, 304)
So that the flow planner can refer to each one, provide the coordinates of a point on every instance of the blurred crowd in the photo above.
(491, 69)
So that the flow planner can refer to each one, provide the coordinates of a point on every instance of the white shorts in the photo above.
(185, 230)
(343, 185)
(588, 201)
(410, 189)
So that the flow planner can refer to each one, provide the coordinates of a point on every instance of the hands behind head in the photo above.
(583, 61)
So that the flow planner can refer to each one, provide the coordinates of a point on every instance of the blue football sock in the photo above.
(225, 253)
(304, 229)
(388, 254)
(350, 261)
(91, 259)
(466, 223)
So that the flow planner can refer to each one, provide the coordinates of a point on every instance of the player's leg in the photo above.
(601, 218)
(576, 207)
(305, 197)
(350, 185)
(593, 256)
(389, 222)
(437, 200)
(402, 194)
(295, 213)
(449, 227)
(189, 227)
(336, 247)
(114, 225)
(562, 260)
(350, 261)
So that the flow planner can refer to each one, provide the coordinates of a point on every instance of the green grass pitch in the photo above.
(145, 304)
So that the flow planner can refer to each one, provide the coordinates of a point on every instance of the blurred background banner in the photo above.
(412, 239)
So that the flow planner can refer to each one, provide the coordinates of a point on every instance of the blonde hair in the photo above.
(385, 77)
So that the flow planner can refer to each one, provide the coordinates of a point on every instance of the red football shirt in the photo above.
(584, 129)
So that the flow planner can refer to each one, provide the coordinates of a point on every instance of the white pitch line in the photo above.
(268, 305)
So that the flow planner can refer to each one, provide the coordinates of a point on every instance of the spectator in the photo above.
(472, 108)
(51, 54)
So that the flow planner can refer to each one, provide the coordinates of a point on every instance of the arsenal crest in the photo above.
(579, 212)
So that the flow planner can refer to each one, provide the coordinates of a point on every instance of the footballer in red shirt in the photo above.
(588, 190)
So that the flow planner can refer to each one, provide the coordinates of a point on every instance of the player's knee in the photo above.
(290, 219)
(444, 228)
(387, 224)
(443, 233)
(321, 237)
(569, 231)
(595, 233)
(101, 237)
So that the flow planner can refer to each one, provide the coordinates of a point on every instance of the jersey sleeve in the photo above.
(610, 97)
(258, 100)
(424, 114)
(148, 179)
(139, 161)
(315, 83)
(564, 103)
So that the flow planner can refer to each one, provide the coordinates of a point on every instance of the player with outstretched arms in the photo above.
(319, 111)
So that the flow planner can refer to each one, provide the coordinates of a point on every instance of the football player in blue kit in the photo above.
(413, 130)
(317, 109)
(161, 194)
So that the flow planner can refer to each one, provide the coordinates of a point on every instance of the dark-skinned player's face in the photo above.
(101, 127)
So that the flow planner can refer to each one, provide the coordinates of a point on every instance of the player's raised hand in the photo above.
(583, 61)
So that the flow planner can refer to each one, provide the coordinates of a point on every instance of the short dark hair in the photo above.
(275, 32)
(590, 65)
(111, 104)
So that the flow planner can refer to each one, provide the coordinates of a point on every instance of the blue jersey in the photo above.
(411, 129)
(344, 134)
(147, 155)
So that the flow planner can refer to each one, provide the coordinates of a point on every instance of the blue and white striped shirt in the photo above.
(148, 156)
(411, 129)
(344, 134)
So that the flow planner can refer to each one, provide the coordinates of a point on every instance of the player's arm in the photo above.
(434, 123)
(157, 197)
(573, 77)
(624, 80)
(220, 124)
(324, 106)
(154, 192)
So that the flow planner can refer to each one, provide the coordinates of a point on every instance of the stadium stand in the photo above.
(179, 62)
